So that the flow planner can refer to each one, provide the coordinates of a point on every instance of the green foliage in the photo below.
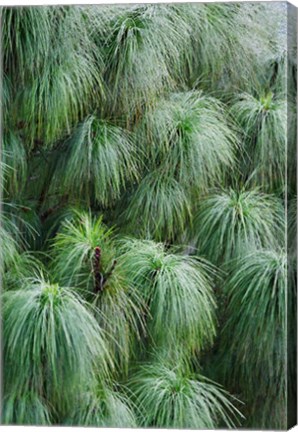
(59, 68)
(177, 290)
(27, 409)
(25, 38)
(11, 239)
(143, 145)
(15, 158)
(171, 399)
(24, 222)
(292, 230)
(118, 301)
(121, 316)
(257, 287)
(230, 221)
(221, 44)
(9, 248)
(53, 334)
(104, 407)
(143, 47)
(74, 249)
(263, 120)
(188, 135)
(159, 207)
(98, 160)
(23, 265)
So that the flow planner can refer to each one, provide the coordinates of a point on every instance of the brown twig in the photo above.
(96, 270)
(100, 279)
(107, 275)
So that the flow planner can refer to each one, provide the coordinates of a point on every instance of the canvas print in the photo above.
(148, 215)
